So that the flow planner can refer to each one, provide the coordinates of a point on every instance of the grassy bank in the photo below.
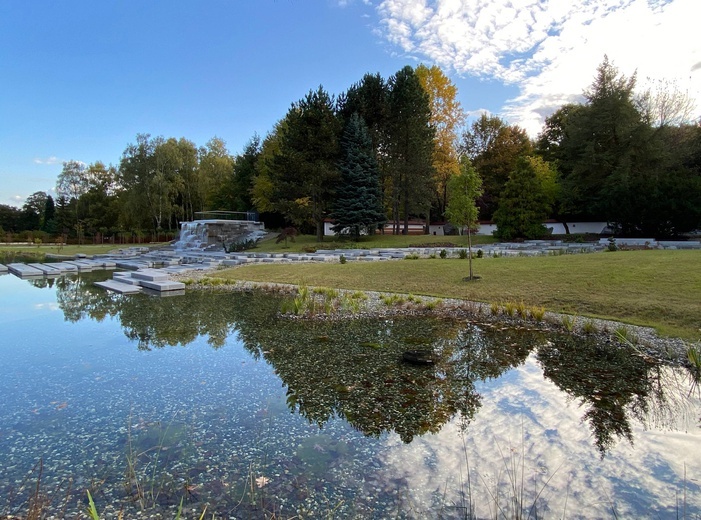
(306, 242)
(68, 250)
(661, 289)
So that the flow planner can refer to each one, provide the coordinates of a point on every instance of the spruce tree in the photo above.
(358, 204)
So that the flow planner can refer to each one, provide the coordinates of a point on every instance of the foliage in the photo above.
(446, 116)
(358, 203)
(524, 204)
(409, 149)
(462, 210)
(620, 162)
(494, 147)
(303, 173)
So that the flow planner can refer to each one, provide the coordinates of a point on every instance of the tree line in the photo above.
(387, 151)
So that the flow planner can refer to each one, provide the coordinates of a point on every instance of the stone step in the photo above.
(121, 288)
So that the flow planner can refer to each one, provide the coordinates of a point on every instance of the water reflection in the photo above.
(352, 369)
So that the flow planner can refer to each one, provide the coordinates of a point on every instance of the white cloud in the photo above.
(49, 160)
(528, 428)
(548, 48)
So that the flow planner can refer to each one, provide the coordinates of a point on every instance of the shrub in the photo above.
(342, 259)
(444, 253)
(480, 253)
(462, 254)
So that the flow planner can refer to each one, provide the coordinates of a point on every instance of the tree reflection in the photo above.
(612, 381)
(352, 368)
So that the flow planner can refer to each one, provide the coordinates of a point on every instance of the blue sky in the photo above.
(79, 79)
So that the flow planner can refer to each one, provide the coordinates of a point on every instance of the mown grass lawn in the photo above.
(661, 289)
(304, 242)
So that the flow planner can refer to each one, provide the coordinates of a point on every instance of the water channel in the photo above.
(211, 399)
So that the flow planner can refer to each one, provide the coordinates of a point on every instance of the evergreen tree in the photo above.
(523, 205)
(244, 171)
(303, 174)
(358, 204)
(49, 223)
(410, 148)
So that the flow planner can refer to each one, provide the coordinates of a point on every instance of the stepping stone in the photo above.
(23, 270)
(121, 288)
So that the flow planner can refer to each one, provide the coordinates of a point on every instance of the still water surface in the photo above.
(212, 398)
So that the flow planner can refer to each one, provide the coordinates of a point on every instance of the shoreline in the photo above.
(377, 305)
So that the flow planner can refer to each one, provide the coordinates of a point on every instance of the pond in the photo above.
(212, 400)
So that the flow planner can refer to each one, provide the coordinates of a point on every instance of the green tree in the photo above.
(463, 191)
(597, 146)
(33, 210)
(494, 147)
(216, 169)
(302, 176)
(525, 203)
(49, 222)
(410, 148)
(369, 99)
(244, 172)
(358, 204)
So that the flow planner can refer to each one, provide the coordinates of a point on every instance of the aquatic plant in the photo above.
(693, 355)
(522, 310)
(624, 335)
(589, 327)
(92, 510)
(568, 322)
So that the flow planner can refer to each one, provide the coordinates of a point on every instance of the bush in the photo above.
(444, 253)
(462, 254)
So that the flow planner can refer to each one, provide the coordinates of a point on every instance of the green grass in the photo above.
(367, 242)
(661, 289)
(68, 250)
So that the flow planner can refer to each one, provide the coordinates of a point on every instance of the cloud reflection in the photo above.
(529, 441)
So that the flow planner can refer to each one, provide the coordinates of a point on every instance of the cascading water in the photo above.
(193, 235)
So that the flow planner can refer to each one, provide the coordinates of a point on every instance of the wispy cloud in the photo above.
(49, 160)
(548, 48)
(16, 199)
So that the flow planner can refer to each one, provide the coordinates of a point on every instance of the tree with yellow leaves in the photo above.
(446, 117)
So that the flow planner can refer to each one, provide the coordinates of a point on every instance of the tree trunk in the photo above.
(469, 249)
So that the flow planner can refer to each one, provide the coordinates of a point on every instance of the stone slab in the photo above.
(47, 269)
(3, 268)
(22, 270)
(150, 275)
(168, 285)
(81, 265)
(121, 288)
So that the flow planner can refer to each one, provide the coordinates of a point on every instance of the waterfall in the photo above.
(193, 235)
